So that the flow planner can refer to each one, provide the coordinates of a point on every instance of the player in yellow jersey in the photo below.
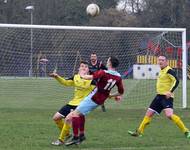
(167, 82)
(82, 89)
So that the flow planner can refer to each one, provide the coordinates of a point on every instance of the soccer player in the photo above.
(167, 82)
(94, 66)
(107, 80)
(82, 89)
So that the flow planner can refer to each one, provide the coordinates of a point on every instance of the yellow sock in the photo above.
(65, 131)
(143, 124)
(59, 123)
(179, 123)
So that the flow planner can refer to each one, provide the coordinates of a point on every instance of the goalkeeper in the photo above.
(82, 89)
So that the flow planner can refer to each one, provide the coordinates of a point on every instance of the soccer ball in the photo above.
(93, 10)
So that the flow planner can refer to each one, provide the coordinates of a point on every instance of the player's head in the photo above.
(83, 68)
(162, 61)
(112, 62)
(93, 57)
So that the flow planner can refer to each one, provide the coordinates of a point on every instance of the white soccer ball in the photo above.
(93, 10)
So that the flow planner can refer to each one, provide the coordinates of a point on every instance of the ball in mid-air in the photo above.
(93, 10)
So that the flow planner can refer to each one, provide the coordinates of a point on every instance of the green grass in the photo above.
(27, 107)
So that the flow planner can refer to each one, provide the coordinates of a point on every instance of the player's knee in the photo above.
(169, 115)
(150, 113)
(57, 117)
(67, 120)
(69, 117)
(54, 118)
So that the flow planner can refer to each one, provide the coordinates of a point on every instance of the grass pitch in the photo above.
(27, 107)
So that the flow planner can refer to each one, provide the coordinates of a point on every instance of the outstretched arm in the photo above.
(96, 75)
(117, 96)
(120, 90)
(53, 75)
(66, 82)
(119, 93)
(114, 94)
(87, 77)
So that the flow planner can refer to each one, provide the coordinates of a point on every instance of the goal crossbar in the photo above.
(92, 28)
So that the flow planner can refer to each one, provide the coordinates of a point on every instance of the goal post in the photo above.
(62, 47)
(184, 66)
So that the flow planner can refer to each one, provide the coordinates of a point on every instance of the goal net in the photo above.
(28, 53)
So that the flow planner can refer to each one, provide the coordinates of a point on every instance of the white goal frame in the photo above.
(182, 30)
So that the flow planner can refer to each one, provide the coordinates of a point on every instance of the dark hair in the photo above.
(163, 56)
(114, 61)
(93, 53)
(83, 62)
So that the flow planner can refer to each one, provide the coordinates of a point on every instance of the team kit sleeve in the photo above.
(120, 86)
(98, 74)
(65, 82)
(175, 81)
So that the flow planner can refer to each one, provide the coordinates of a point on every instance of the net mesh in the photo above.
(63, 49)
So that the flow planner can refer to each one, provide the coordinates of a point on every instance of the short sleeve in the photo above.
(98, 74)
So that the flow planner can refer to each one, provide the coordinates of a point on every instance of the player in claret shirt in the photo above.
(95, 65)
(107, 80)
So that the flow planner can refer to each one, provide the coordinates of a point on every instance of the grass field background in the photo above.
(27, 107)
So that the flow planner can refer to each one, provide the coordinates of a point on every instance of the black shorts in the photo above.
(65, 110)
(160, 102)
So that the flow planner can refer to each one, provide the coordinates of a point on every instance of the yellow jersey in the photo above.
(167, 81)
(82, 88)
